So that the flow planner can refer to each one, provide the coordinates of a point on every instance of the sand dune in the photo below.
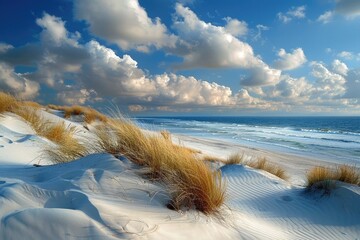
(103, 197)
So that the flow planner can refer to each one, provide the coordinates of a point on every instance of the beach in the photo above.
(100, 196)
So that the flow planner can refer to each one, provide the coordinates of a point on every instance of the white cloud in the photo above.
(260, 28)
(290, 89)
(188, 90)
(16, 84)
(235, 27)
(289, 61)
(81, 73)
(76, 96)
(262, 75)
(283, 17)
(339, 67)
(348, 8)
(125, 23)
(329, 83)
(294, 12)
(137, 108)
(297, 12)
(326, 17)
(54, 30)
(209, 46)
(346, 55)
(5, 47)
(112, 75)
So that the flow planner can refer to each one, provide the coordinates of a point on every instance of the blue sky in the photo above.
(167, 57)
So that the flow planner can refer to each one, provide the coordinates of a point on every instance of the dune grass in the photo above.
(32, 104)
(263, 164)
(7, 103)
(325, 179)
(348, 174)
(235, 158)
(190, 182)
(89, 115)
(67, 147)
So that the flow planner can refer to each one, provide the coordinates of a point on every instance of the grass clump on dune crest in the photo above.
(32, 104)
(67, 146)
(323, 178)
(235, 158)
(190, 182)
(263, 164)
(348, 174)
(7, 103)
(90, 115)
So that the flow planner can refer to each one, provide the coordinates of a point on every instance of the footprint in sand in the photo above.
(5, 140)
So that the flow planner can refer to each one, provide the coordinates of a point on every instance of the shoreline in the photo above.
(296, 166)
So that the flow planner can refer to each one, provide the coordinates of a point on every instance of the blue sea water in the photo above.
(330, 138)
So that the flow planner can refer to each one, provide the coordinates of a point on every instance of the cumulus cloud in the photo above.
(81, 73)
(332, 87)
(209, 46)
(57, 55)
(235, 27)
(294, 12)
(291, 89)
(346, 55)
(326, 17)
(125, 23)
(289, 61)
(188, 90)
(339, 67)
(77, 96)
(328, 82)
(97, 71)
(16, 84)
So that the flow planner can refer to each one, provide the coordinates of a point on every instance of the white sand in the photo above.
(102, 197)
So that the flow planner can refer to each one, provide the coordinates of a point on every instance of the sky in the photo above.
(185, 57)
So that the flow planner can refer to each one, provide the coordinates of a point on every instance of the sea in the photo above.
(334, 139)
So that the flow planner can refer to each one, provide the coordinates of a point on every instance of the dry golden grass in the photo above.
(32, 117)
(90, 115)
(55, 107)
(322, 178)
(189, 181)
(67, 147)
(208, 158)
(73, 111)
(32, 104)
(235, 158)
(263, 164)
(348, 174)
(7, 103)
(166, 134)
